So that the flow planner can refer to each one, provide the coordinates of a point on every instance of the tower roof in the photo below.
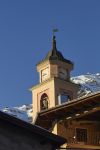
(54, 54)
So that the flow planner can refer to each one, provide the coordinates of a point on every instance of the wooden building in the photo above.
(78, 121)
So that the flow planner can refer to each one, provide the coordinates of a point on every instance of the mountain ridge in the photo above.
(89, 83)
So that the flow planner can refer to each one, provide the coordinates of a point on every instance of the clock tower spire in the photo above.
(55, 87)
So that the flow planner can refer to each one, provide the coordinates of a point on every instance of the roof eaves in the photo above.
(33, 128)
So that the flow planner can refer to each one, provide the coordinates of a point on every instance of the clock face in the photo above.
(45, 73)
(63, 73)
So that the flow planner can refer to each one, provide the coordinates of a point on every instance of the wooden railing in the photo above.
(93, 138)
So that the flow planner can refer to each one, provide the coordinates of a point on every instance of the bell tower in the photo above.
(55, 87)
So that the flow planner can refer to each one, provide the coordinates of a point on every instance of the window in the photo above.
(81, 135)
(63, 98)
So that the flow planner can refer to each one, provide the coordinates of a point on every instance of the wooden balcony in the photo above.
(93, 142)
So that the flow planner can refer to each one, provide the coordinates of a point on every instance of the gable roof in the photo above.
(32, 129)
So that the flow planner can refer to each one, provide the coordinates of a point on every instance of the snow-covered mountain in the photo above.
(23, 112)
(89, 83)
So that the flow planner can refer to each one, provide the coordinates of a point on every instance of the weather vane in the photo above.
(54, 30)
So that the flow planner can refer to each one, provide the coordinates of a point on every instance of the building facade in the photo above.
(78, 121)
(57, 108)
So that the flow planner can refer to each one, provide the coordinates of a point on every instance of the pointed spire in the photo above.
(54, 43)
(54, 54)
(54, 49)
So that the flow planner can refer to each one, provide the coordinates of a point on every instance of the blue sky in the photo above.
(26, 36)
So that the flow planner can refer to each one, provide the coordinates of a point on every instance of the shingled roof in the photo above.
(54, 54)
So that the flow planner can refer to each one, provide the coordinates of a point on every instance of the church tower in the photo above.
(55, 87)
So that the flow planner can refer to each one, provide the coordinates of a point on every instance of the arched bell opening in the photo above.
(44, 102)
